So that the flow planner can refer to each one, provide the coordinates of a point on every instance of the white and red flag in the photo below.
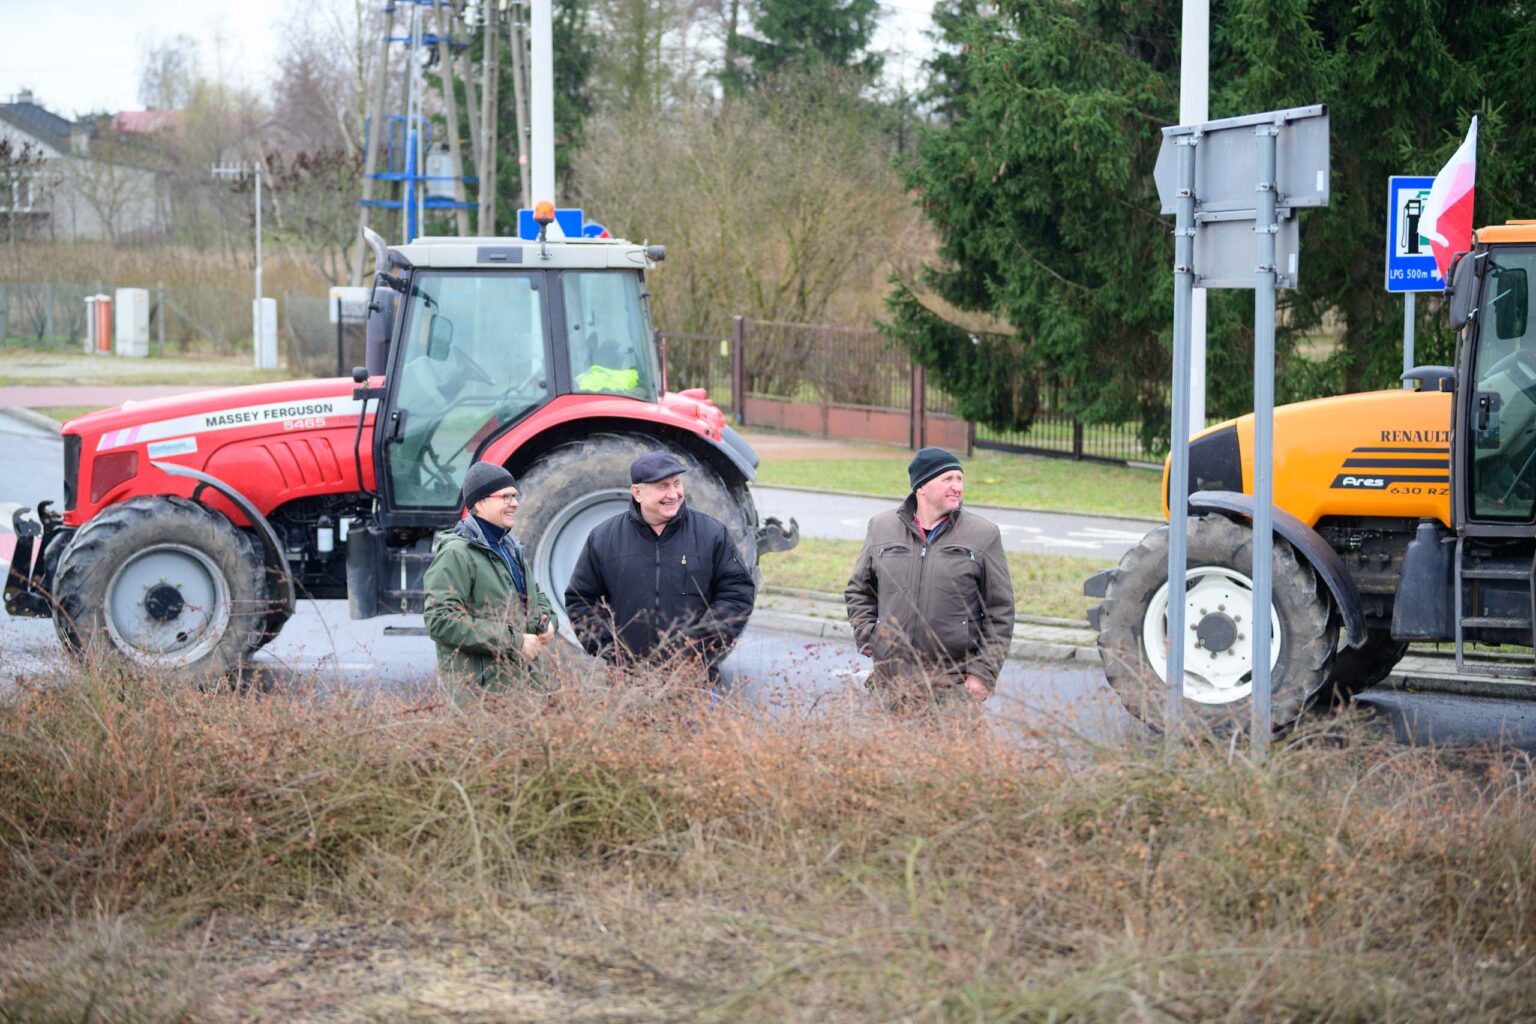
(1447, 219)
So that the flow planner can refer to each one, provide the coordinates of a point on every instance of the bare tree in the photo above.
(22, 189)
(169, 73)
(783, 205)
(313, 198)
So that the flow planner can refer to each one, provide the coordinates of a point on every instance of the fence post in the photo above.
(1077, 439)
(970, 438)
(739, 369)
(914, 403)
(920, 403)
(341, 342)
(160, 316)
(826, 383)
(48, 313)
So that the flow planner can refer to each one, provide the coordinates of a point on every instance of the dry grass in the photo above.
(145, 266)
(175, 855)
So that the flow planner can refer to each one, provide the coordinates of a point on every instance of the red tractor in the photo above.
(192, 526)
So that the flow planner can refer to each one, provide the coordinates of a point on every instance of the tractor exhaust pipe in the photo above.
(381, 308)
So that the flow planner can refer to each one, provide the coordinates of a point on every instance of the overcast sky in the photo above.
(80, 56)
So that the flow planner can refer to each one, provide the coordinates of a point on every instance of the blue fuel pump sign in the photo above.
(1410, 264)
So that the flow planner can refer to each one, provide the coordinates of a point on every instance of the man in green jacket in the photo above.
(930, 598)
(488, 617)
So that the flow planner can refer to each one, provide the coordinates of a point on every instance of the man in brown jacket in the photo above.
(930, 599)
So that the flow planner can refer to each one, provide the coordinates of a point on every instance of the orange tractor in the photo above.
(1401, 516)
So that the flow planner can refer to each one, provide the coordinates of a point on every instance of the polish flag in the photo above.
(1447, 217)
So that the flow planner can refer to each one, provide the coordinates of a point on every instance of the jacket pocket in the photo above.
(893, 566)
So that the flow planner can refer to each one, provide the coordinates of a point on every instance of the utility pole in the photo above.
(451, 104)
(518, 31)
(258, 307)
(542, 108)
(485, 223)
(373, 128)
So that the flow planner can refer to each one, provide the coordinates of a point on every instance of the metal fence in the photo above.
(856, 383)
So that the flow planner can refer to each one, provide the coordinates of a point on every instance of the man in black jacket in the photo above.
(660, 581)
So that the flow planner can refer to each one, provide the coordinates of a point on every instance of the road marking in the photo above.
(1095, 531)
(1063, 542)
(1021, 529)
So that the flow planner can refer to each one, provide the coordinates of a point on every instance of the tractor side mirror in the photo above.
(439, 337)
(1511, 300)
(1463, 289)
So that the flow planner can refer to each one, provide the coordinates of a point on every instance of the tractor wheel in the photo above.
(577, 485)
(165, 583)
(1218, 611)
(1356, 669)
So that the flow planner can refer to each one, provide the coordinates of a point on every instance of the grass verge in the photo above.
(601, 858)
(22, 367)
(993, 478)
(1042, 584)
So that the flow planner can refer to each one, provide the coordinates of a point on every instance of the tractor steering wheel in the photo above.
(476, 371)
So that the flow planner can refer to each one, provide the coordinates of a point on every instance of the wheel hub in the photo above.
(1216, 632)
(164, 603)
(1218, 656)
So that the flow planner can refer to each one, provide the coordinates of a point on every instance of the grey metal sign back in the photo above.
(1233, 186)
(1227, 162)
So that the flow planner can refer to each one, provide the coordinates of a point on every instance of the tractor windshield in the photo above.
(472, 358)
(1503, 407)
(608, 334)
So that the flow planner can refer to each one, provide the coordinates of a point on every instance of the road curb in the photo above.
(35, 419)
(817, 627)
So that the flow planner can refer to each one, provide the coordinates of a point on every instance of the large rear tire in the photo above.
(1218, 604)
(165, 584)
(1356, 669)
(575, 486)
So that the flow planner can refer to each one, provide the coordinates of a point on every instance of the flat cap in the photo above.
(653, 466)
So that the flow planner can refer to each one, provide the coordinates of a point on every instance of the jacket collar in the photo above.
(469, 529)
(908, 515)
(639, 520)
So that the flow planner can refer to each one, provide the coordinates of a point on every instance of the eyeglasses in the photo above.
(505, 499)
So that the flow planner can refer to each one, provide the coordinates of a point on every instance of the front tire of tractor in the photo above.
(1218, 602)
(166, 584)
(575, 486)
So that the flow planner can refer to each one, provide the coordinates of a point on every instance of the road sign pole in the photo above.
(1265, 227)
(1410, 311)
(1178, 437)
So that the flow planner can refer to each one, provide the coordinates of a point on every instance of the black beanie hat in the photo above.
(483, 480)
(929, 463)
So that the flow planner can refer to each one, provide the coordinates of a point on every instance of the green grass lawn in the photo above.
(1042, 584)
(993, 478)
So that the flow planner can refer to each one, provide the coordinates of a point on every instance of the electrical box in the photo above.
(132, 310)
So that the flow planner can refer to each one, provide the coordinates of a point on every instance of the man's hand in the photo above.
(977, 689)
(533, 643)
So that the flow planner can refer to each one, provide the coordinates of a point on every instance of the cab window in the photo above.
(472, 359)
(608, 333)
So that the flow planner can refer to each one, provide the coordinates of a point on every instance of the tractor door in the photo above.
(473, 355)
(1494, 454)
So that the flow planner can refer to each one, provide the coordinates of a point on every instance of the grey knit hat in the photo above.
(929, 463)
(483, 480)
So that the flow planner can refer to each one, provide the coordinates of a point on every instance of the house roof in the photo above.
(145, 122)
(41, 124)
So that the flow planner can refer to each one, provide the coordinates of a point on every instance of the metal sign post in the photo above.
(1235, 228)
(1410, 263)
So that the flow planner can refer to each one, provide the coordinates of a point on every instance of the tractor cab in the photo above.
(485, 335)
(1493, 456)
